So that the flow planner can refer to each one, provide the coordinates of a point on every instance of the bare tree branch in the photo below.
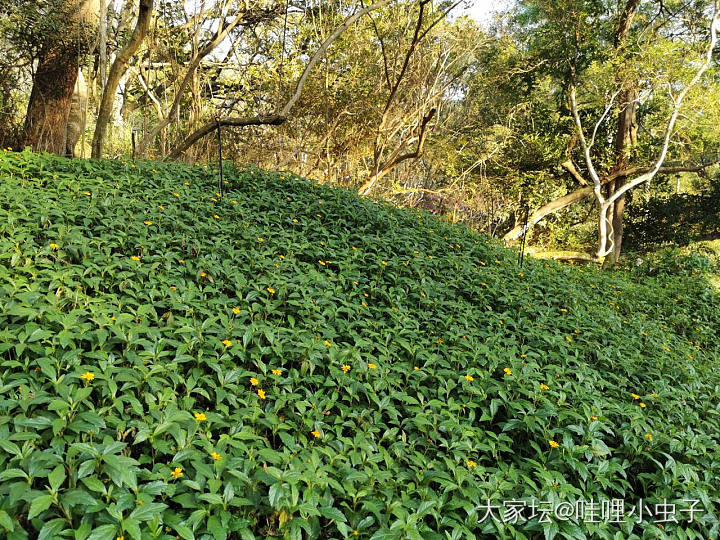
(283, 114)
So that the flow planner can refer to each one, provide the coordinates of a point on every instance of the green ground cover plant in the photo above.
(290, 360)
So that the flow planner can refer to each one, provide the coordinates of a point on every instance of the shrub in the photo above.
(291, 360)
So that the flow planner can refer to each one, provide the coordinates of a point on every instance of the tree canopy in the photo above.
(556, 108)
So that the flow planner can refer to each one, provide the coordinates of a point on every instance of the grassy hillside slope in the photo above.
(290, 360)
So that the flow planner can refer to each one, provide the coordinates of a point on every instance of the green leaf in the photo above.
(57, 477)
(6, 521)
(147, 511)
(39, 505)
(184, 531)
(132, 527)
(13, 473)
(104, 532)
(52, 528)
(386, 534)
(332, 513)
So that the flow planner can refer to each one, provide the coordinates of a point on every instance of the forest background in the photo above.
(597, 121)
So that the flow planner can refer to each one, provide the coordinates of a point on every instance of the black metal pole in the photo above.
(522, 245)
(220, 158)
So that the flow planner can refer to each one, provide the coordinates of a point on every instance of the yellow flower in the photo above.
(226, 342)
(635, 396)
(384, 263)
(416, 368)
(295, 220)
(135, 258)
(642, 405)
(544, 386)
(315, 433)
(177, 473)
(326, 342)
(54, 246)
(648, 437)
(471, 463)
(563, 310)
(321, 263)
(469, 378)
(215, 456)
(271, 290)
(203, 274)
(261, 239)
(345, 368)
(120, 538)
(176, 194)
(86, 193)
(147, 223)
(507, 371)
(181, 261)
(593, 418)
(569, 339)
(254, 381)
(216, 216)
(236, 311)
(200, 416)
(88, 376)
(553, 444)
(277, 372)
(261, 393)
(113, 318)
(372, 366)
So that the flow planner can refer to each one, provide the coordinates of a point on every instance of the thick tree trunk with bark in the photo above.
(625, 144)
(625, 135)
(47, 114)
(45, 128)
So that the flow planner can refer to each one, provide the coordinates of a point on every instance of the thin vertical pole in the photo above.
(525, 227)
(220, 158)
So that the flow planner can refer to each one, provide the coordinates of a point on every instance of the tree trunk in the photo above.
(45, 128)
(47, 113)
(618, 227)
(117, 70)
(625, 143)
(102, 45)
(77, 116)
(625, 134)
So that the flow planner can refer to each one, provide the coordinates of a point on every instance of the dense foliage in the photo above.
(678, 218)
(291, 360)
